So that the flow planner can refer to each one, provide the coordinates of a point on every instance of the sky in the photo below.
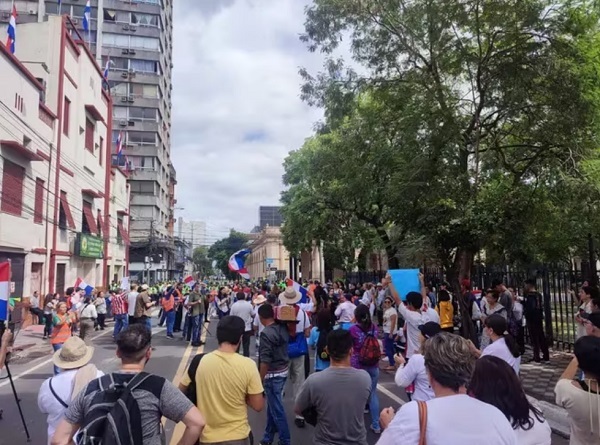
(237, 110)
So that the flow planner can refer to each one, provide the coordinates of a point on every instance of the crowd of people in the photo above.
(454, 384)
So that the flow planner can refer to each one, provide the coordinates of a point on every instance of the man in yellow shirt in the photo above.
(225, 383)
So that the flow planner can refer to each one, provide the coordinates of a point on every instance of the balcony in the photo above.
(122, 75)
(131, 53)
(138, 199)
(143, 6)
(133, 100)
(128, 28)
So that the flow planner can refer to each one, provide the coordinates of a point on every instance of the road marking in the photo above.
(180, 427)
(39, 365)
(391, 395)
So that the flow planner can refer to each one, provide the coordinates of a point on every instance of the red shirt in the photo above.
(118, 305)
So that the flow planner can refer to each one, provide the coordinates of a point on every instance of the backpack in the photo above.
(321, 344)
(191, 389)
(114, 416)
(370, 351)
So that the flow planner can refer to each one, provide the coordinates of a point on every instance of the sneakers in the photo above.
(375, 430)
(299, 422)
(170, 337)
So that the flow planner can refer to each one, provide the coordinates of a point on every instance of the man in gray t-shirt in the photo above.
(339, 394)
(134, 350)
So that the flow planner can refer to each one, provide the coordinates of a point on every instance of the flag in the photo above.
(119, 145)
(83, 285)
(12, 31)
(303, 291)
(236, 263)
(188, 280)
(107, 69)
(4, 289)
(87, 16)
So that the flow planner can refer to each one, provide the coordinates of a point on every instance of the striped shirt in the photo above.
(62, 330)
(119, 304)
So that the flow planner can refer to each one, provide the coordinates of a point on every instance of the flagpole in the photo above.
(60, 8)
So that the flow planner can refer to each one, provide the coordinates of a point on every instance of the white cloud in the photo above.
(236, 106)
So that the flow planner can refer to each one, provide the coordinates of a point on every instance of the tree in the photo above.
(222, 250)
(202, 263)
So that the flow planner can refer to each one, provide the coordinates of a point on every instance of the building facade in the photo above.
(135, 39)
(268, 258)
(57, 175)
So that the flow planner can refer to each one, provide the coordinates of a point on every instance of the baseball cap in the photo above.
(429, 329)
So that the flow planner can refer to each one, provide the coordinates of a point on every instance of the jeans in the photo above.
(48, 326)
(276, 419)
(121, 322)
(197, 321)
(374, 399)
(56, 347)
(170, 318)
(148, 322)
(388, 344)
(101, 321)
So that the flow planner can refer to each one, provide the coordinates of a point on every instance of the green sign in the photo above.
(89, 246)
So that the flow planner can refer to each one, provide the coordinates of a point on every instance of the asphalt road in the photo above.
(169, 359)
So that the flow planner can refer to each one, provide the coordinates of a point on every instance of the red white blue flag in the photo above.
(12, 31)
(4, 289)
(237, 263)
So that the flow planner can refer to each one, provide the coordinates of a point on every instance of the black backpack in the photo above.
(114, 416)
(191, 389)
(321, 344)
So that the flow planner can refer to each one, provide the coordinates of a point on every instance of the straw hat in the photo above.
(73, 354)
(286, 313)
(290, 296)
(259, 300)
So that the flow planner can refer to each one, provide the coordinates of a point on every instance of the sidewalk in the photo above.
(539, 380)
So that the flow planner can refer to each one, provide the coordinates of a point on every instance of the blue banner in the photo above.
(405, 281)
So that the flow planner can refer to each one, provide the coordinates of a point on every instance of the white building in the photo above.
(84, 201)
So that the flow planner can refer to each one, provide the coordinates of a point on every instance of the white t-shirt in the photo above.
(587, 308)
(413, 320)
(432, 315)
(451, 420)
(303, 321)
(539, 434)
(345, 312)
(88, 311)
(47, 403)
(131, 297)
(500, 350)
(583, 409)
(387, 321)
(414, 372)
(244, 310)
(256, 321)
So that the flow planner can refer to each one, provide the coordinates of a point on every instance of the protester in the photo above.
(100, 302)
(155, 396)
(534, 315)
(390, 323)
(243, 308)
(453, 418)
(56, 393)
(87, 318)
(318, 339)
(274, 366)
(586, 294)
(364, 330)
(345, 312)
(445, 309)
(502, 345)
(337, 395)
(223, 302)
(61, 330)
(581, 398)
(119, 311)
(168, 307)
(131, 302)
(196, 301)
(297, 346)
(49, 305)
(520, 319)
(495, 383)
(143, 304)
(414, 373)
(34, 307)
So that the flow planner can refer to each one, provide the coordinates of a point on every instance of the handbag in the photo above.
(422, 422)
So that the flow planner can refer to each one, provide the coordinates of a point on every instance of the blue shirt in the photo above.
(320, 365)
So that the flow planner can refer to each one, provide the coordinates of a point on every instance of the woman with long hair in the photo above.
(318, 337)
(495, 383)
(61, 330)
(502, 345)
(364, 328)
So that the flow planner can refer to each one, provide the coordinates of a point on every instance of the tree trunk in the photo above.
(390, 250)
(461, 269)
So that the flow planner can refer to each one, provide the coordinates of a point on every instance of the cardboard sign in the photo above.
(405, 281)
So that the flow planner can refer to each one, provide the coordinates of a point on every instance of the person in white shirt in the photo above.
(495, 383)
(87, 318)
(345, 312)
(453, 417)
(586, 293)
(131, 299)
(413, 317)
(243, 308)
(414, 372)
(390, 323)
(502, 345)
(257, 326)
(57, 392)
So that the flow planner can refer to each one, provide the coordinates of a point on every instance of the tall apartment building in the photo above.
(136, 38)
(192, 232)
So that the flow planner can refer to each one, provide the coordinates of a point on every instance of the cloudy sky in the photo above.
(236, 106)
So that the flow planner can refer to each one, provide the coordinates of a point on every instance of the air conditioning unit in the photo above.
(125, 27)
(131, 99)
(32, 12)
(133, 28)
(124, 75)
(122, 123)
(132, 51)
(131, 123)
(124, 51)
(124, 99)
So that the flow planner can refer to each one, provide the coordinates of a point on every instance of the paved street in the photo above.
(169, 359)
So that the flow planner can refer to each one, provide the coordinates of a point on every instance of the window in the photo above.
(118, 88)
(141, 138)
(65, 217)
(143, 114)
(88, 223)
(119, 113)
(110, 15)
(66, 116)
(144, 19)
(144, 66)
(101, 152)
(100, 222)
(38, 211)
(143, 187)
(148, 43)
(13, 176)
(118, 40)
(89, 135)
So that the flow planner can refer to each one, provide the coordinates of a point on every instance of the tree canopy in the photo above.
(222, 250)
(202, 262)
(467, 126)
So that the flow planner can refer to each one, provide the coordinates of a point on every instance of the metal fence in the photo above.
(559, 286)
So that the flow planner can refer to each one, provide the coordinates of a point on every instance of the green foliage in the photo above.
(470, 126)
(222, 250)
(202, 263)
